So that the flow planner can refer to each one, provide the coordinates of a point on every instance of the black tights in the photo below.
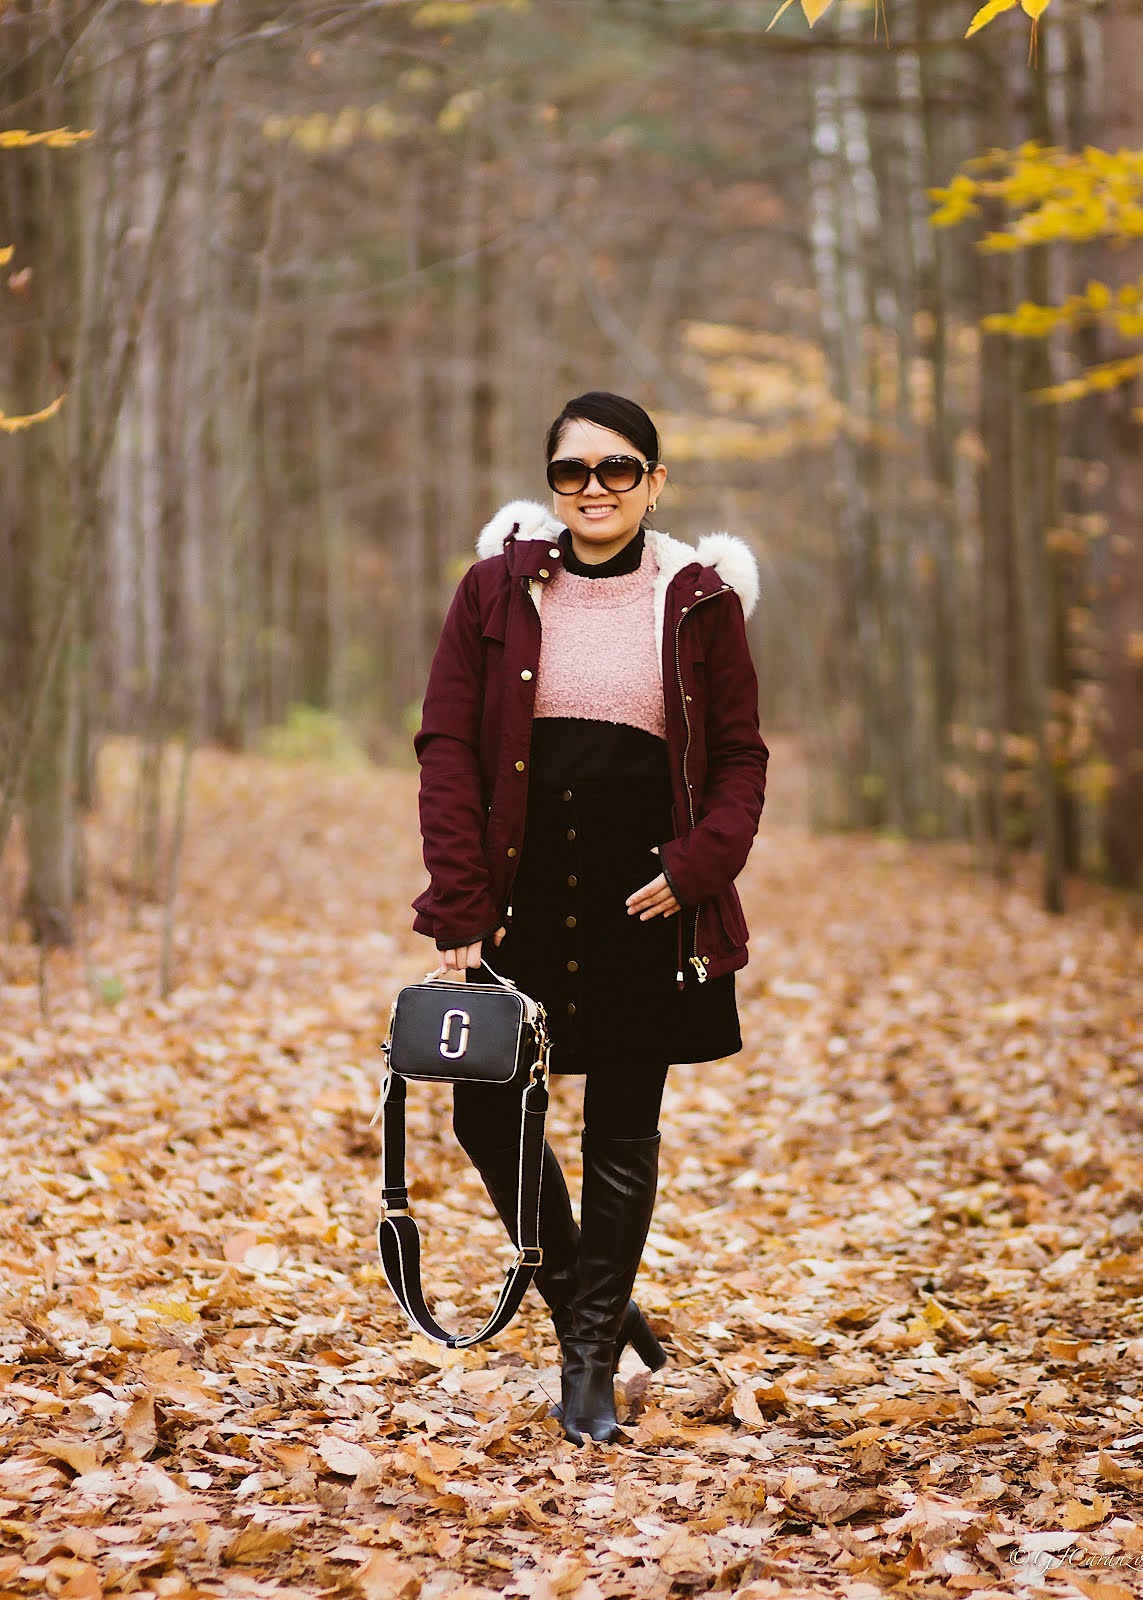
(621, 1100)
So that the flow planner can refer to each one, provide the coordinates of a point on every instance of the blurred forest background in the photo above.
(291, 289)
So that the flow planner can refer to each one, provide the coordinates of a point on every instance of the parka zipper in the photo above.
(693, 958)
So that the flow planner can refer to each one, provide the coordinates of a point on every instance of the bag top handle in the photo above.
(438, 971)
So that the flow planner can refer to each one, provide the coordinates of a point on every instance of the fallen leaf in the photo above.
(1077, 1515)
(1115, 1472)
(754, 1403)
(1100, 1589)
(140, 1434)
(80, 1454)
(255, 1544)
(343, 1456)
(384, 1577)
(83, 1585)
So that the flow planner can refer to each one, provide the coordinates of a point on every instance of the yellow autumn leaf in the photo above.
(445, 14)
(997, 243)
(6, 254)
(57, 138)
(986, 14)
(172, 1310)
(781, 12)
(813, 9)
(17, 424)
(935, 1314)
(1095, 380)
(1034, 8)
(65, 138)
(458, 111)
(1059, 393)
(1077, 1515)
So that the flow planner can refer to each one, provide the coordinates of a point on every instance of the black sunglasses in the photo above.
(617, 474)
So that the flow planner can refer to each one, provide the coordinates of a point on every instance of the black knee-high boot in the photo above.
(620, 1177)
(559, 1239)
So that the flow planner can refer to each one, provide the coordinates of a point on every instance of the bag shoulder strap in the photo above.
(399, 1240)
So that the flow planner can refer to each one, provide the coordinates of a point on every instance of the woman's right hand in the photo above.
(468, 955)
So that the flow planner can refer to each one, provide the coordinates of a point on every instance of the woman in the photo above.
(592, 775)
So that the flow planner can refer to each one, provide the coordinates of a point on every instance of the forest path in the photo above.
(898, 1246)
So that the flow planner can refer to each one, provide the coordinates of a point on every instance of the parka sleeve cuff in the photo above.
(671, 884)
(451, 943)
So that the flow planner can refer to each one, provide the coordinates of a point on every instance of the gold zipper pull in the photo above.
(699, 968)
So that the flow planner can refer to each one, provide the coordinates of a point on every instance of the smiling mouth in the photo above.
(596, 510)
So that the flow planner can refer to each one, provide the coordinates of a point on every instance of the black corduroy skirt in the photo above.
(606, 978)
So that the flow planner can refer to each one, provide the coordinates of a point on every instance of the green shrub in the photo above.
(310, 734)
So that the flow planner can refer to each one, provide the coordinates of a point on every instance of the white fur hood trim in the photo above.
(535, 522)
(731, 557)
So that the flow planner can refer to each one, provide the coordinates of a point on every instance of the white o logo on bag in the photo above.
(462, 1041)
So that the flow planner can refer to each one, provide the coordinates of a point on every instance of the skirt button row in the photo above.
(570, 921)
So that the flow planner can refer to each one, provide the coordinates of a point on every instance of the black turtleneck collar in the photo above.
(626, 560)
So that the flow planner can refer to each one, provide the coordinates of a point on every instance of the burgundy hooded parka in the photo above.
(475, 736)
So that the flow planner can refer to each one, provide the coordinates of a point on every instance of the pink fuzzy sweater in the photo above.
(598, 652)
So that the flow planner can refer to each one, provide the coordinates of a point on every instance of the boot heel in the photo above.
(635, 1332)
(646, 1346)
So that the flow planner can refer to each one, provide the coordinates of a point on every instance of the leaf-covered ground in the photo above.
(898, 1250)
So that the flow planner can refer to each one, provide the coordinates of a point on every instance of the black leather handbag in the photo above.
(461, 1032)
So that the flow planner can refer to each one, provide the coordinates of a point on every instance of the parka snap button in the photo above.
(706, 961)
(571, 833)
(571, 1008)
(685, 608)
(511, 849)
(572, 881)
(553, 552)
(567, 794)
(525, 674)
(573, 966)
(688, 696)
(569, 922)
(519, 766)
(544, 572)
(698, 593)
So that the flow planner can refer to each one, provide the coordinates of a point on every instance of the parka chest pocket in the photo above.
(494, 624)
(493, 633)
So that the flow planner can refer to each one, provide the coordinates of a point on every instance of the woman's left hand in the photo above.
(654, 899)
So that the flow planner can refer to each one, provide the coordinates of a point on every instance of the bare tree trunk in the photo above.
(1121, 586)
(45, 189)
(857, 203)
(419, 589)
(1034, 506)
(464, 356)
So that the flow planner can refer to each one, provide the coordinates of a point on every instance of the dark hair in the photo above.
(610, 411)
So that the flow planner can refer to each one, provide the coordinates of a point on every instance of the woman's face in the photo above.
(600, 520)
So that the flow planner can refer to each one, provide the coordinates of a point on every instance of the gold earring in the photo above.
(652, 506)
